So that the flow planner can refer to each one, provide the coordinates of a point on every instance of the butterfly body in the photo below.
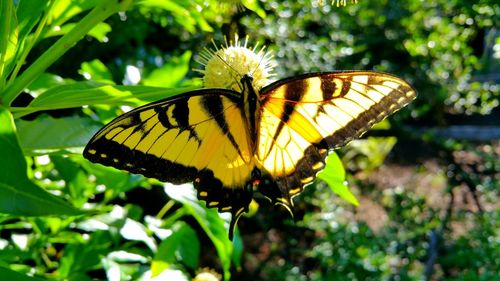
(231, 143)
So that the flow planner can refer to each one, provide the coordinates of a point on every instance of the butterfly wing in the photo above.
(304, 117)
(200, 136)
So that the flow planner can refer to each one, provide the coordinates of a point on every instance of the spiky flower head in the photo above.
(207, 274)
(224, 66)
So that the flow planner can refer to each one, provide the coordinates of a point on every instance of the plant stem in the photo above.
(32, 42)
(97, 15)
(7, 12)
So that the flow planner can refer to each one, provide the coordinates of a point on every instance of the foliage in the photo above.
(437, 46)
(68, 67)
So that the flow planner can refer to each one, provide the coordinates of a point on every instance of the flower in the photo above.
(207, 274)
(225, 66)
(344, 2)
(339, 2)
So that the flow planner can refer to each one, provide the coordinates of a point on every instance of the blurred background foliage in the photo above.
(426, 180)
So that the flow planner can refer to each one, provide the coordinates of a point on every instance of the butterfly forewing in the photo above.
(198, 137)
(304, 117)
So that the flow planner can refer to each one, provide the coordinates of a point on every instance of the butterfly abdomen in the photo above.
(251, 107)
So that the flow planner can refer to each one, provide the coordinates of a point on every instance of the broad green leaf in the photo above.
(8, 274)
(334, 176)
(90, 93)
(368, 154)
(13, 165)
(170, 274)
(116, 181)
(382, 125)
(238, 248)
(97, 71)
(44, 82)
(182, 243)
(183, 14)
(49, 135)
(28, 14)
(18, 195)
(8, 39)
(75, 178)
(200, 20)
(81, 257)
(63, 10)
(170, 74)
(213, 225)
(189, 247)
(98, 32)
(166, 254)
(27, 199)
(253, 5)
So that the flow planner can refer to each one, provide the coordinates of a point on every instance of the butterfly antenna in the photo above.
(236, 79)
(263, 52)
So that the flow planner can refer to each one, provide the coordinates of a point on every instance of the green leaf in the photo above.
(171, 274)
(18, 195)
(213, 225)
(61, 46)
(28, 14)
(44, 82)
(27, 199)
(77, 184)
(368, 154)
(91, 93)
(238, 248)
(99, 31)
(170, 74)
(181, 11)
(8, 274)
(116, 181)
(81, 257)
(189, 247)
(183, 243)
(97, 71)
(334, 176)
(254, 6)
(13, 166)
(63, 10)
(382, 125)
(8, 39)
(46, 134)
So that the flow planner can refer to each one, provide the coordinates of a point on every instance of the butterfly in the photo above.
(231, 144)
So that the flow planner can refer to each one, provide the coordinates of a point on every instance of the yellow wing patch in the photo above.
(199, 137)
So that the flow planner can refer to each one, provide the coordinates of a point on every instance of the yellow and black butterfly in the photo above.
(230, 144)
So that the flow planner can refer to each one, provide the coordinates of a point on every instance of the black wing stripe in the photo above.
(328, 88)
(293, 93)
(213, 105)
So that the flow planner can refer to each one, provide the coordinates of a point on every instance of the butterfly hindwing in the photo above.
(304, 117)
(197, 137)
